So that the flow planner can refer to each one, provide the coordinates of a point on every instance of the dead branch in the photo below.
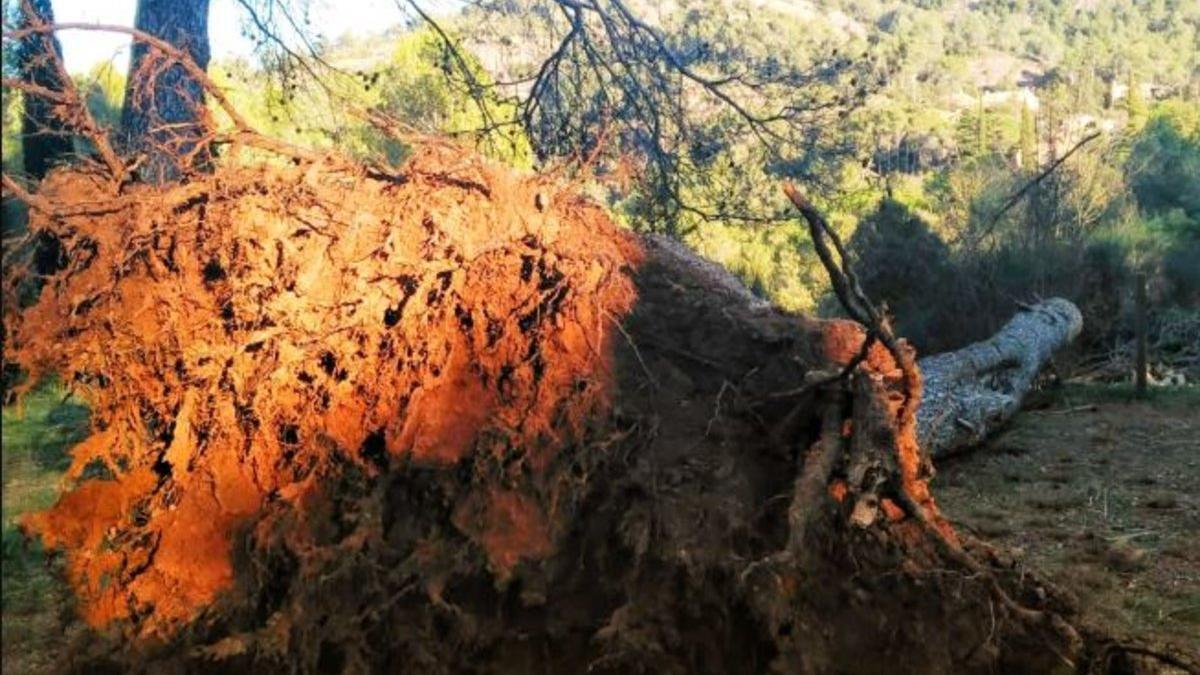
(1019, 194)
(855, 302)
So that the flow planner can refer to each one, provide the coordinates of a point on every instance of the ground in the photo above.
(35, 608)
(1101, 493)
(1098, 491)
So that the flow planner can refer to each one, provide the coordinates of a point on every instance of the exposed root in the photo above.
(346, 419)
(242, 337)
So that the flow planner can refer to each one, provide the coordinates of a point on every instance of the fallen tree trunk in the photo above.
(463, 422)
(454, 419)
(969, 393)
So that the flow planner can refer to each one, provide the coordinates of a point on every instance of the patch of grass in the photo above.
(36, 440)
(27, 585)
(35, 445)
(1056, 502)
(1184, 608)
(1162, 500)
(1083, 393)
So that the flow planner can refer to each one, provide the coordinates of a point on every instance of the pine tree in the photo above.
(1027, 143)
(45, 140)
(160, 118)
(1135, 105)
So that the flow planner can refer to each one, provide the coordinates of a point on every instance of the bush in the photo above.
(1181, 272)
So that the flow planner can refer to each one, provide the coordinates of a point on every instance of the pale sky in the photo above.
(330, 18)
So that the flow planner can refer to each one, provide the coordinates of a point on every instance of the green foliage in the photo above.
(1164, 166)
(1027, 140)
(14, 161)
(103, 88)
(1135, 103)
(414, 87)
(775, 263)
(903, 263)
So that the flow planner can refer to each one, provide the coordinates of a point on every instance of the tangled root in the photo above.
(244, 337)
(458, 420)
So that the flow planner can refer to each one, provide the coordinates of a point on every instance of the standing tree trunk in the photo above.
(1139, 318)
(45, 139)
(162, 117)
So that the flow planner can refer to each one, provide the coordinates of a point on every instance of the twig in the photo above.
(1016, 197)
(1168, 658)
(1067, 411)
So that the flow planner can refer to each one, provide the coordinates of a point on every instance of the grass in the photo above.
(1083, 393)
(35, 446)
(36, 441)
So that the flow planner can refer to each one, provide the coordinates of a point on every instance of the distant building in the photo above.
(1024, 95)
(1119, 91)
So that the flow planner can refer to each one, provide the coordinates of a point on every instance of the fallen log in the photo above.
(456, 420)
(464, 422)
(971, 392)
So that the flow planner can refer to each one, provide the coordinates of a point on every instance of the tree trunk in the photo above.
(161, 119)
(1141, 376)
(969, 393)
(463, 422)
(45, 139)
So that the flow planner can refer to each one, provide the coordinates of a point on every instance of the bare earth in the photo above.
(1102, 495)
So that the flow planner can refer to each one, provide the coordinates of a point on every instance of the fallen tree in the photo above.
(458, 420)
(452, 418)
(972, 391)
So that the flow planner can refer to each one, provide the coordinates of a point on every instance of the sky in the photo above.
(331, 18)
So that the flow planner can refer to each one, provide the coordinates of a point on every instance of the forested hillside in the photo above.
(943, 112)
(946, 109)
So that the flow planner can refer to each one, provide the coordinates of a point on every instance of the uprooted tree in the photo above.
(450, 417)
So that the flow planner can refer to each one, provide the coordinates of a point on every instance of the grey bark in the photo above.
(160, 120)
(969, 393)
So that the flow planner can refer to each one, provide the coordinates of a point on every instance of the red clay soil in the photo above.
(456, 420)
